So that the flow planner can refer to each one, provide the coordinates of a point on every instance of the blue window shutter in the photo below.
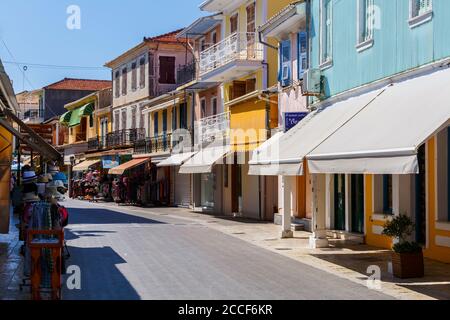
(280, 64)
(302, 53)
(286, 63)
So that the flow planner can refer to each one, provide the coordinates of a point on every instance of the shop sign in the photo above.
(291, 119)
(109, 162)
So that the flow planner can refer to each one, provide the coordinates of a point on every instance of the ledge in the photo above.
(360, 47)
(326, 65)
(381, 217)
(419, 20)
(443, 225)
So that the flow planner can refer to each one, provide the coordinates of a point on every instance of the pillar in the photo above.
(288, 204)
(319, 237)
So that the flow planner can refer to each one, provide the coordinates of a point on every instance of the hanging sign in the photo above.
(291, 119)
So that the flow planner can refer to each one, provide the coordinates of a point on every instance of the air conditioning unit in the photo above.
(312, 82)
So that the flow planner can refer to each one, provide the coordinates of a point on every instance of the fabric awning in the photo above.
(176, 160)
(204, 160)
(65, 118)
(284, 155)
(119, 170)
(385, 137)
(85, 165)
(77, 114)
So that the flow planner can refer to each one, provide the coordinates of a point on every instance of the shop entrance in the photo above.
(207, 190)
(339, 202)
(357, 203)
(421, 198)
(236, 190)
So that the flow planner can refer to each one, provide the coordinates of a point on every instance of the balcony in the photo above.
(212, 128)
(94, 144)
(162, 143)
(186, 74)
(124, 138)
(234, 57)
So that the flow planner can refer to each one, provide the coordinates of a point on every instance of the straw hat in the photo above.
(29, 177)
(43, 179)
(30, 197)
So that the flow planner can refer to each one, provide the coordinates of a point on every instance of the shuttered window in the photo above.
(234, 23)
(124, 80)
(133, 117)
(302, 53)
(155, 124)
(142, 72)
(117, 84)
(141, 118)
(116, 121)
(167, 70)
(124, 119)
(366, 17)
(250, 85)
(151, 75)
(183, 116)
(286, 63)
(133, 76)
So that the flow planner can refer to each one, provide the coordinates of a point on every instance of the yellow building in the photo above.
(245, 67)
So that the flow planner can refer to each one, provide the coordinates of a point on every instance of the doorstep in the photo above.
(346, 236)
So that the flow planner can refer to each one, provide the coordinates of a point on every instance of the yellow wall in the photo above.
(5, 178)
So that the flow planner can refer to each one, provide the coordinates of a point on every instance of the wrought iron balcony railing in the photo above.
(238, 46)
(160, 143)
(94, 144)
(186, 73)
(124, 138)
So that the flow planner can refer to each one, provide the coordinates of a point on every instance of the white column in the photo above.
(319, 237)
(288, 200)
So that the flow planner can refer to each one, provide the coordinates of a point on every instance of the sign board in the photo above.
(291, 119)
(109, 162)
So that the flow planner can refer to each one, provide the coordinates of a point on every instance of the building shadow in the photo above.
(104, 216)
(101, 278)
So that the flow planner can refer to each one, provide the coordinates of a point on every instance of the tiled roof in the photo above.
(80, 84)
(167, 37)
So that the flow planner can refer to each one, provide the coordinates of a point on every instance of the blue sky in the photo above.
(35, 32)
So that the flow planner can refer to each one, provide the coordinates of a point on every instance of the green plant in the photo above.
(401, 227)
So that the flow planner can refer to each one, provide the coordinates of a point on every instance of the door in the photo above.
(357, 203)
(236, 187)
(421, 198)
(339, 202)
(182, 189)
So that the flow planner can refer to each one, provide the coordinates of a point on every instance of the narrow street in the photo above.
(127, 253)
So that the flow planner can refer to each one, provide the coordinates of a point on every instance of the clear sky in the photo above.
(35, 32)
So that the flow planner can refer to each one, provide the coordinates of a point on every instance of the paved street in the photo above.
(129, 253)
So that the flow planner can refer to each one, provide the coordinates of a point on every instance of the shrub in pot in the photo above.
(407, 256)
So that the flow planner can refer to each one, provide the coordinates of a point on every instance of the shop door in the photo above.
(357, 203)
(421, 198)
(339, 202)
(236, 190)
(207, 190)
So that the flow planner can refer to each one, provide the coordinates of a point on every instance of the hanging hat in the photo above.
(53, 169)
(29, 177)
(60, 176)
(49, 176)
(30, 197)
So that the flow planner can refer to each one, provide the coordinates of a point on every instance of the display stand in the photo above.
(55, 246)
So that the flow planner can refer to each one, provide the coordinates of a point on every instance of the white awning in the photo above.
(385, 137)
(204, 160)
(85, 165)
(176, 160)
(284, 155)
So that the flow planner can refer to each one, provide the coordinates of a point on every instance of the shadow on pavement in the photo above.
(104, 216)
(101, 278)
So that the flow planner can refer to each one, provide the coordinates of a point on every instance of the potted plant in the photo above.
(407, 256)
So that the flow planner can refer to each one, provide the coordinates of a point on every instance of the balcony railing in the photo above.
(212, 128)
(94, 144)
(238, 46)
(124, 138)
(186, 74)
(160, 143)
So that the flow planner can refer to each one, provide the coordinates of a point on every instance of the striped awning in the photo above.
(65, 118)
(77, 114)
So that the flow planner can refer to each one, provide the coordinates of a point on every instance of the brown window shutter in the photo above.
(250, 85)
(239, 89)
(230, 93)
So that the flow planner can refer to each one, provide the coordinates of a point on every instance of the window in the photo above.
(116, 120)
(421, 11)
(133, 76)
(142, 72)
(383, 194)
(203, 46)
(214, 105)
(167, 70)
(124, 119)
(117, 84)
(285, 63)
(302, 53)
(164, 120)
(214, 37)
(155, 124)
(326, 32)
(251, 18)
(124, 81)
(174, 118)
(91, 121)
(141, 118)
(183, 116)
(234, 23)
(237, 90)
(365, 24)
(443, 175)
(203, 108)
(133, 118)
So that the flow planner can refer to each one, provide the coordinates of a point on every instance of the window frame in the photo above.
(214, 105)
(124, 80)
(166, 79)
(117, 83)
(203, 111)
(328, 62)
(364, 41)
(134, 76)
(416, 18)
(233, 16)
(142, 62)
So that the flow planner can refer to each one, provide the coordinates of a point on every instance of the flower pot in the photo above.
(408, 265)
